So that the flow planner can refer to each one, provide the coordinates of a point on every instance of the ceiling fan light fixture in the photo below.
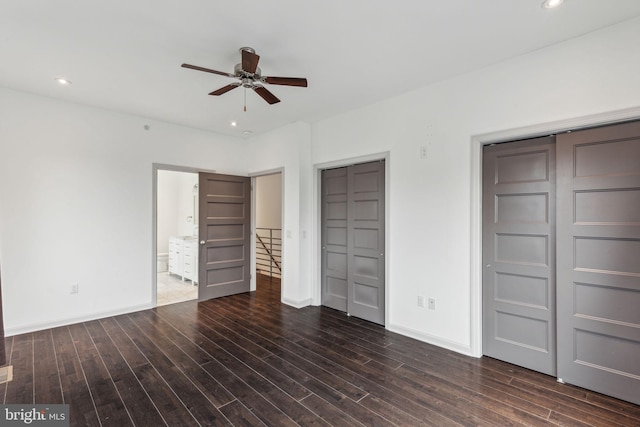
(550, 4)
(250, 76)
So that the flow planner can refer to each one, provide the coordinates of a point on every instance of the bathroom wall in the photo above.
(187, 203)
(176, 215)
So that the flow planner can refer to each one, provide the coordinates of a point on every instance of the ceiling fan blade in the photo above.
(266, 95)
(225, 89)
(207, 70)
(286, 81)
(249, 61)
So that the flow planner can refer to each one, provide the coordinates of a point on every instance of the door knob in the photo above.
(488, 265)
(202, 242)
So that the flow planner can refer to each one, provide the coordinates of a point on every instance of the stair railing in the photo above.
(269, 251)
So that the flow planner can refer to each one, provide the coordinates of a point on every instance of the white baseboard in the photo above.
(408, 332)
(297, 304)
(420, 336)
(431, 339)
(17, 330)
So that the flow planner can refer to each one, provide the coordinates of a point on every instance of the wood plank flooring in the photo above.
(248, 360)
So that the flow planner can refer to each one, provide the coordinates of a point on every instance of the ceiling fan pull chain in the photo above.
(245, 99)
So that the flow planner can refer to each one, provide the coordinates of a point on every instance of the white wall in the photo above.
(431, 200)
(76, 205)
(75, 185)
(268, 190)
(187, 203)
(167, 222)
(175, 206)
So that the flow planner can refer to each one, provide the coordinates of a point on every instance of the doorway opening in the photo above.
(211, 249)
(176, 237)
(268, 233)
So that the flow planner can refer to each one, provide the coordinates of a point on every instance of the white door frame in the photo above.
(316, 251)
(253, 176)
(477, 142)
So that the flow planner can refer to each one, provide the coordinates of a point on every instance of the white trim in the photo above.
(154, 219)
(175, 168)
(268, 172)
(430, 339)
(284, 278)
(252, 264)
(477, 141)
(73, 320)
(316, 224)
(297, 304)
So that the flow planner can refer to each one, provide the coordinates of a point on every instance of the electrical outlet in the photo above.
(74, 288)
(420, 301)
(432, 303)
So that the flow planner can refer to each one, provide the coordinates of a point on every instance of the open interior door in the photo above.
(225, 235)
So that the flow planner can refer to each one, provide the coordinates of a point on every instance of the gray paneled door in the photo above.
(365, 240)
(599, 259)
(225, 235)
(334, 238)
(353, 206)
(519, 253)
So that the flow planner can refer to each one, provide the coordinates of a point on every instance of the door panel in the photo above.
(353, 240)
(365, 278)
(519, 253)
(334, 238)
(599, 259)
(225, 229)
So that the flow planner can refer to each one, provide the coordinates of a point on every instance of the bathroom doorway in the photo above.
(177, 237)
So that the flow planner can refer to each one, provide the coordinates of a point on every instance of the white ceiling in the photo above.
(125, 55)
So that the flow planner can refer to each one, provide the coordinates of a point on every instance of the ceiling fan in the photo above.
(250, 77)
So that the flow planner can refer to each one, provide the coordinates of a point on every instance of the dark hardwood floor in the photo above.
(249, 360)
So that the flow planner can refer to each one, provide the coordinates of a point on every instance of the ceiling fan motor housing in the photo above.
(239, 72)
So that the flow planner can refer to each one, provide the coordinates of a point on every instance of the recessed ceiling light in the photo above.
(550, 4)
(234, 124)
(62, 81)
(247, 132)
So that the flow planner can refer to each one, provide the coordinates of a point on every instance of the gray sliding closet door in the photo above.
(353, 205)
(599, 259)
(519, 253)
(365, 279)
(334, 238)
